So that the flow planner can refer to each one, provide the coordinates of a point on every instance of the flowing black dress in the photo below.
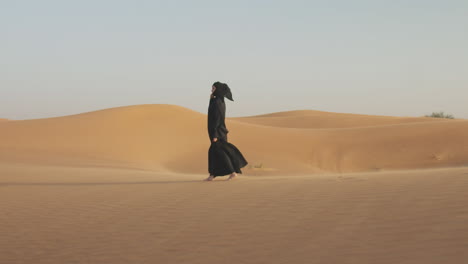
(223, 157)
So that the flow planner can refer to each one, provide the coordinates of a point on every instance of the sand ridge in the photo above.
(321, 119)
(166, 137)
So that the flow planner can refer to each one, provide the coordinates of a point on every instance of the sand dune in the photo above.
(145, 134)
(320, 119)
(173, 138)
(3, 119)
(123, 185)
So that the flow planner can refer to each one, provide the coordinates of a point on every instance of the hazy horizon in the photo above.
(367, 57)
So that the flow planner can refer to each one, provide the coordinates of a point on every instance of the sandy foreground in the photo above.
(124, 185)
(54, 214)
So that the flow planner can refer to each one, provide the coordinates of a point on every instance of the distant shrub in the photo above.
(440, 114)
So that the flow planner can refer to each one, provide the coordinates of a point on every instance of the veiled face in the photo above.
(213, 88)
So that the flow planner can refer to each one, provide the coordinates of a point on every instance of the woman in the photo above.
(223, 157)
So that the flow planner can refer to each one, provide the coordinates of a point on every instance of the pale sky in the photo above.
(393, 57)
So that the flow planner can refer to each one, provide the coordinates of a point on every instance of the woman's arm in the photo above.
(217, 117)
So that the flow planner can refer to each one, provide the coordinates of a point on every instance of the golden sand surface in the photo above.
(124, 185)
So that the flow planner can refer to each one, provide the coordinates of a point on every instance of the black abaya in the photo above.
(223, 157)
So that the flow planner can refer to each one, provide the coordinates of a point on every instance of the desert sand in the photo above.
(124, 185)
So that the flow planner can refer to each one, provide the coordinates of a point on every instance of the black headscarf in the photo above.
(222, 90)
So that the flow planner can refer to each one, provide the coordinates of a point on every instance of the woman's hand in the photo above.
(215, 139)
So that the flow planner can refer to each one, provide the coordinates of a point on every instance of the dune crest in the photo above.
(321, 119)
(173, 138)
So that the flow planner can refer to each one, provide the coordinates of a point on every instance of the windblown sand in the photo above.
(123, 185)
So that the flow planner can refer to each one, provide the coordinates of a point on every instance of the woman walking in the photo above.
(223, 157)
